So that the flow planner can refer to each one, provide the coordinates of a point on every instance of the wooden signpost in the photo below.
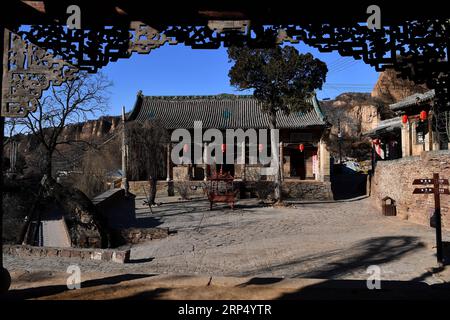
(437, 190)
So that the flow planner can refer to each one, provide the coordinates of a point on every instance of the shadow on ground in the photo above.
(260, 288)
(358, 290)
(337, 263)
(44, 291)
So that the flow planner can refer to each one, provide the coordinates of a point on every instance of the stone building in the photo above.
(302, 135)
(415, 129)
(421, 139)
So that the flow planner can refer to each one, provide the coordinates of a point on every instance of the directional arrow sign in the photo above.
(436, 190)
(430, 181)
(423, 190)
(423, 181)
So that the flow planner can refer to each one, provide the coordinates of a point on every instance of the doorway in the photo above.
(298, 169)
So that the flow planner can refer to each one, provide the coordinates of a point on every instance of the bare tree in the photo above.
(97, 166)
(74, 101)
(147, 144)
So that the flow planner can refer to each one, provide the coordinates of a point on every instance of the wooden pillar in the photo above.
(430, 132)
(410, 137)
(281, 161)
(243, 160)
(205, 161)
(324, 161)
(125, 184)
(405, 139)
(168, 163)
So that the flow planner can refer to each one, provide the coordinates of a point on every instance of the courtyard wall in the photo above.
(394, 179)
(292, 189)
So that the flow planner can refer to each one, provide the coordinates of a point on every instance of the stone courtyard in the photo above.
(334, 240)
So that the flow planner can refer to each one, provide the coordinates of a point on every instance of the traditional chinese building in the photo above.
(301, 134)
(415, 129)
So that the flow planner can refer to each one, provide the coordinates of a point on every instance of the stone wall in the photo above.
(119, 256)
(141, 188)
(138, 235)
(307, 190)
(293, 189)
(394, 179)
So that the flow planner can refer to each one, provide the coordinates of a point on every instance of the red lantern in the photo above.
(404, 119)
(301, 147)
(260, 147)
(224, 147)
(423, 115)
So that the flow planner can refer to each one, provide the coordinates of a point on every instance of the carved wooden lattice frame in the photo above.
(417, 50)
(28, 71)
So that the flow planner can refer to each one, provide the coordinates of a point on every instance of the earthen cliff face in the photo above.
(92, 131)
(356, 112)
(361, 112)
(390, 89)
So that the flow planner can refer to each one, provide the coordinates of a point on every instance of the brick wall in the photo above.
(394, 179)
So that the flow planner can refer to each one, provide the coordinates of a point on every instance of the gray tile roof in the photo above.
(221, 112)
(385, 126)
(412, 100)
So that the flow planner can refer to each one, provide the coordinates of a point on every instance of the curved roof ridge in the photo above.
(220, 111)
(222, 96)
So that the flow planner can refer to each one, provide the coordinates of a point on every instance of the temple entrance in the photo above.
(298, 167)
(226, 168)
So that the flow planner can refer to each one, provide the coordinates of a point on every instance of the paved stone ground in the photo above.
(327, 241)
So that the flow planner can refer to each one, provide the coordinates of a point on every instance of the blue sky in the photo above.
(180, 70)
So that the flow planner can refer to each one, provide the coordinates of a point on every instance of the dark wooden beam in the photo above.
(111, 12)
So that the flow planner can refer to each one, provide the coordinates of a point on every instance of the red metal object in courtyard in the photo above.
(220, 189)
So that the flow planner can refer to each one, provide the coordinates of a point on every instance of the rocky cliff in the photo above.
(356, 113)
(94, 132)
(361, 112)
(390, 89)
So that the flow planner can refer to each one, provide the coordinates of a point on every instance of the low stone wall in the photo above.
(291, 189)
(164, 188)
(119, 256)
(294, 189)
(307, 190)
(394, 179)
(137, 235)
